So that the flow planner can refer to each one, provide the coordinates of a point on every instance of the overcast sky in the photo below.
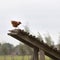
(42, 16)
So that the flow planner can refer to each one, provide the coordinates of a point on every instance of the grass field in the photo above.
(17, 58)
(14, 57)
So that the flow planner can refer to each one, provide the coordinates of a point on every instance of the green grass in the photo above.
(9, 57)
(47, 58)
(14, 57)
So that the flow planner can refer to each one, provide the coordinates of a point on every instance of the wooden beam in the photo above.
(42, 55)
(33, 41)
(35, 54)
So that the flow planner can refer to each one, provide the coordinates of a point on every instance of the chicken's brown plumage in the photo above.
(15, 23)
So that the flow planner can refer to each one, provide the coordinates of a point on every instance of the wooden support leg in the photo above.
(35, 55)
(42, 55)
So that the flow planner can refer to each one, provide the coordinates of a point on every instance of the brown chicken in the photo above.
(15, 23)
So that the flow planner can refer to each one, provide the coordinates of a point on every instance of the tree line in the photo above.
(9, 49)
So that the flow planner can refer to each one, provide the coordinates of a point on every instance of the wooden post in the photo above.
(42, 55)
(35, 54)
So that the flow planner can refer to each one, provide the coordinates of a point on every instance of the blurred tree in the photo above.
(26, 28)
(1, 53)
(28, 49)
(39, 37)
(17, 50)
(58, 46)
(22, 51)
(48, 40)
(7, 48)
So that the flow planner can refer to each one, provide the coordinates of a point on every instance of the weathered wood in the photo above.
(42, 55)
(35, 54)
(25, 38)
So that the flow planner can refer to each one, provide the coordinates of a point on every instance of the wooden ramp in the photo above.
(36, 44)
